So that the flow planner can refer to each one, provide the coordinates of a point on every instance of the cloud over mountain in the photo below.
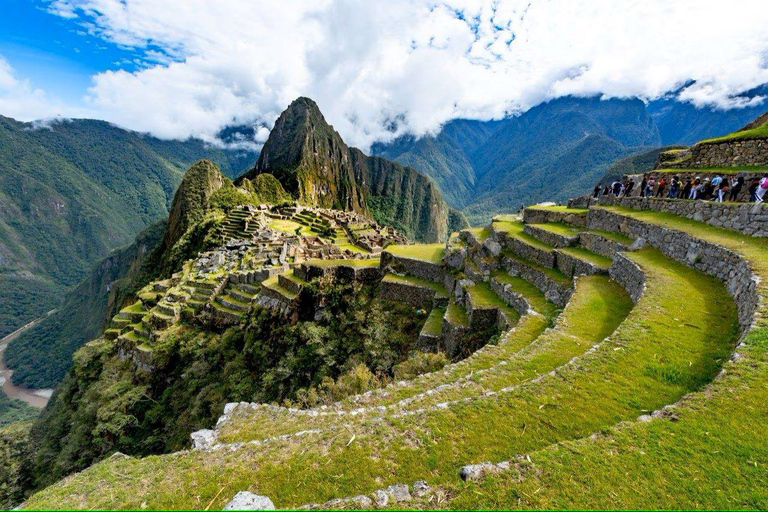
(379, 69)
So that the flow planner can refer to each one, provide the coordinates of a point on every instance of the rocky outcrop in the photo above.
(315, 166)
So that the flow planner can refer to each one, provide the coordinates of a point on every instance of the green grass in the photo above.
(610, 235)
(585, 254)
(482, 296)
(514, 229)
(683, 326)
(370, 262)
(558, 228)
(759, 132)
(553, 273)
(434, 323)
(561, 208)
(416, 281)
(533, 295)
(426, 252)
(481, 233)
(457, 315)
(289, 226)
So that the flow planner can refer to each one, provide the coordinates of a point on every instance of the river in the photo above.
(34, 397)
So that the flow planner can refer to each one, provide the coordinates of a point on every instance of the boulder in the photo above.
(246, 500)
(203, 439)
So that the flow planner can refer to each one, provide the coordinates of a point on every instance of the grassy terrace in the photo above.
(652, 359)
(598, 307)
(370, 262)
(481, 233)
(272, 284)
(587, 255)
(552, 273)
(560, 208)
(514, 229)
(716, 170)
(434, 322)
(482, 296)
(426, 252)
(289, 226)
(415, 281)
(533, 295)
(456, 314)
(559, 228)
(616, 237)
(760, 132)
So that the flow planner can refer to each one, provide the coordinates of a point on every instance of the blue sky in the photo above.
(54, 53)
(365, 62)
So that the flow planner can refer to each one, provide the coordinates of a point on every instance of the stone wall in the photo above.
(555, 292)
(415, 295)
(571, 266)
(629, 275)
(712, 259)
(600, 244)
(511, 297)
(414, 267)
(727, 153)
(530, 252)
(533, 215)
(749, 219)
(550, 237)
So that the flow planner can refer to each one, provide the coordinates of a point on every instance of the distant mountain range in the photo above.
(72, 191)
(555, 150)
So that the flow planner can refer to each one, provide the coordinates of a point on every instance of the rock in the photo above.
(246, 500)
(645, 418)
(455, 258)
(476, 472)
(637, 244)
(492, 246)
(362, 502)
(203, 439)
(398, 492)
(380, 497)
(420, 488)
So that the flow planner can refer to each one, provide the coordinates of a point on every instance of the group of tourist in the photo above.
(718, 189)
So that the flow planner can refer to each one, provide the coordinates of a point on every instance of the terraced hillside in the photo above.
(600, 357)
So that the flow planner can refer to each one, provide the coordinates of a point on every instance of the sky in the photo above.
(377, 69)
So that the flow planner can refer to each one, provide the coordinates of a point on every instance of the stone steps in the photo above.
(232, 303)
(578, 261)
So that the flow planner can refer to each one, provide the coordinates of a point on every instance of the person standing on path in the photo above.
(736, 189)
(761, 189)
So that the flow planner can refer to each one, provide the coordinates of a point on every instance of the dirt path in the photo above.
(34, 397)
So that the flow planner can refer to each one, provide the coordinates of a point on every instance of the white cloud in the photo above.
(407, 63)
(21, 100)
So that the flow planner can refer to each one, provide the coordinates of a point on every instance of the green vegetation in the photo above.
(439, 288)
(12, 411)
(73, 193)
(426, 252)
(266, 189)
(533, 295)
(369, 262)
(587, 255)
(434, 322)
(106, 404)
(616, 237)
(559, 228)
(14, 453)
(552, 273)
(628, 374)
(420, 363)
(755, 130)
(457, 315)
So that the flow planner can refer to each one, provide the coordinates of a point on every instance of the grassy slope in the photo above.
(426, 252)
(713, 456)
(758, 132)
(652, 359)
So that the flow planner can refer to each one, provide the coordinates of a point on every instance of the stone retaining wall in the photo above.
(712, 259)
(415, 295)
(544, 215)
(453, 338)
(529, 252)
(629, 275)
(571, 266)
(600, 244)
(555, 292)
(289, 284)
(511, 297)
(414, 267)
(727, 153)
(746, 218)
(550, 237)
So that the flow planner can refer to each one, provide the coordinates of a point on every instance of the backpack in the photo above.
(764, 183)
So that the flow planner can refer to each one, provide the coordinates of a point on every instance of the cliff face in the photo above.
(310, 159)
(317, 168)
